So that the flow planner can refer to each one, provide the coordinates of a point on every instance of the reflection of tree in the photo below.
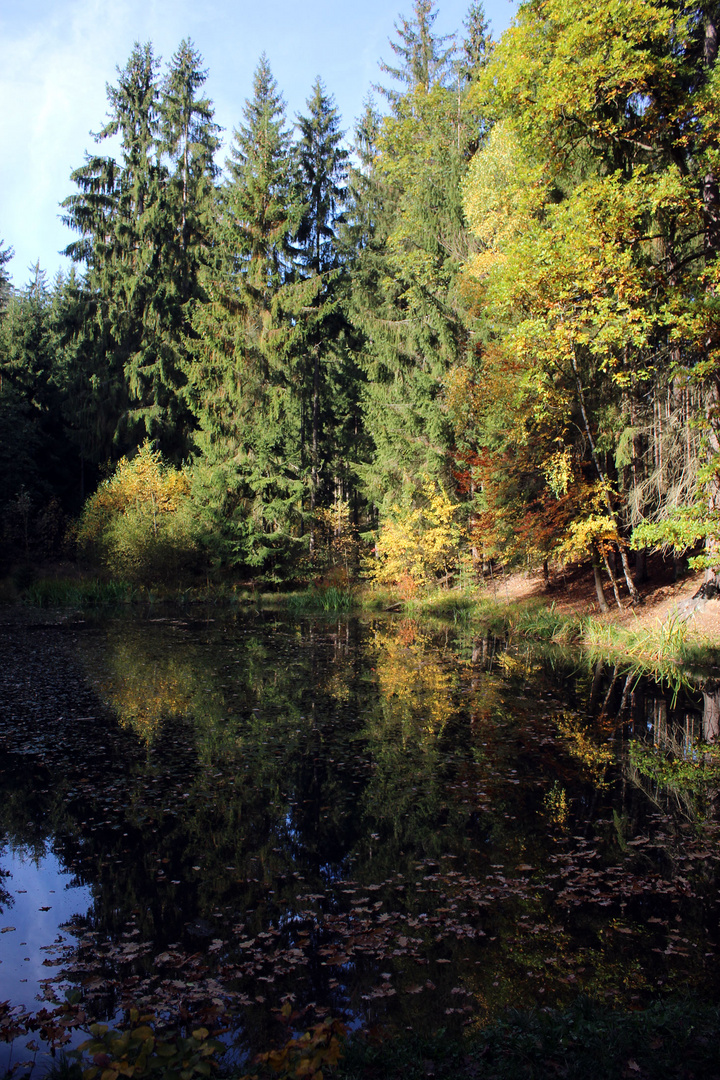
(148, 686)
(6, 899)
(415, 684)
(406, 800)
(671, 759)
(587, 744)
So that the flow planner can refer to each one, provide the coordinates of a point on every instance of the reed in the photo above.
(333, 598)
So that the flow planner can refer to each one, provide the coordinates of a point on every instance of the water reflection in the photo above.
(40, 898)
(386, 818)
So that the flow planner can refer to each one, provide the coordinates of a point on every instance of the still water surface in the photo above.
(381, 818)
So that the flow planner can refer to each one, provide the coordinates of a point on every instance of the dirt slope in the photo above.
(573, 593)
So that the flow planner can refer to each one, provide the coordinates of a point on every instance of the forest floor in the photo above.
(573, 594)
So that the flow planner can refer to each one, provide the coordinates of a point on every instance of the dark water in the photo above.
(387, 820)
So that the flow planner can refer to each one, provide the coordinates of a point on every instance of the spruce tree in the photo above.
(126, 214)
(405, 296)
(424, 58)
(477, 44)
(189, 138)
(6, 254)
(317, 311)
(36, 456)
(247, 470)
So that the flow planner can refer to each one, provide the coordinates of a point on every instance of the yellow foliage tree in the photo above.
(139, 521)
(419, 545)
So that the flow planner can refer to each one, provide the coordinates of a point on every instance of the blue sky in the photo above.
(56, 57)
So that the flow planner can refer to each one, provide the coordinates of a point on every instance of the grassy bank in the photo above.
(81, 591)
(658, 644)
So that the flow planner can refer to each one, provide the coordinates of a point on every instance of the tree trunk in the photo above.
(711, 208)
(602, 602)
(634, 594)
(315, 421)
(636, 597)
(711, 713)
(640, 566)
(613, 582)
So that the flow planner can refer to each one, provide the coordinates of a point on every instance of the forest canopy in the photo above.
(483, 328)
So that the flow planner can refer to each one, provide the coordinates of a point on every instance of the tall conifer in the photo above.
(405, 299)
(319, 318)
(248, 473)
(126, 214)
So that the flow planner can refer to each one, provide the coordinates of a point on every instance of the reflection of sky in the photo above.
(34, 884)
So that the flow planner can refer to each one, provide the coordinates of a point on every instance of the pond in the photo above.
(397, 822)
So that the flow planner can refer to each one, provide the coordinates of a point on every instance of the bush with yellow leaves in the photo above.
(419, 545)
(139, 522)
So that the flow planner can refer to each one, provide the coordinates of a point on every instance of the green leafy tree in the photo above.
(598, 267)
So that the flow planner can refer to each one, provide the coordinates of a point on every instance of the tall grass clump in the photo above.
(334, 598)
(658, 651)
(649, 647)
(546, 624)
